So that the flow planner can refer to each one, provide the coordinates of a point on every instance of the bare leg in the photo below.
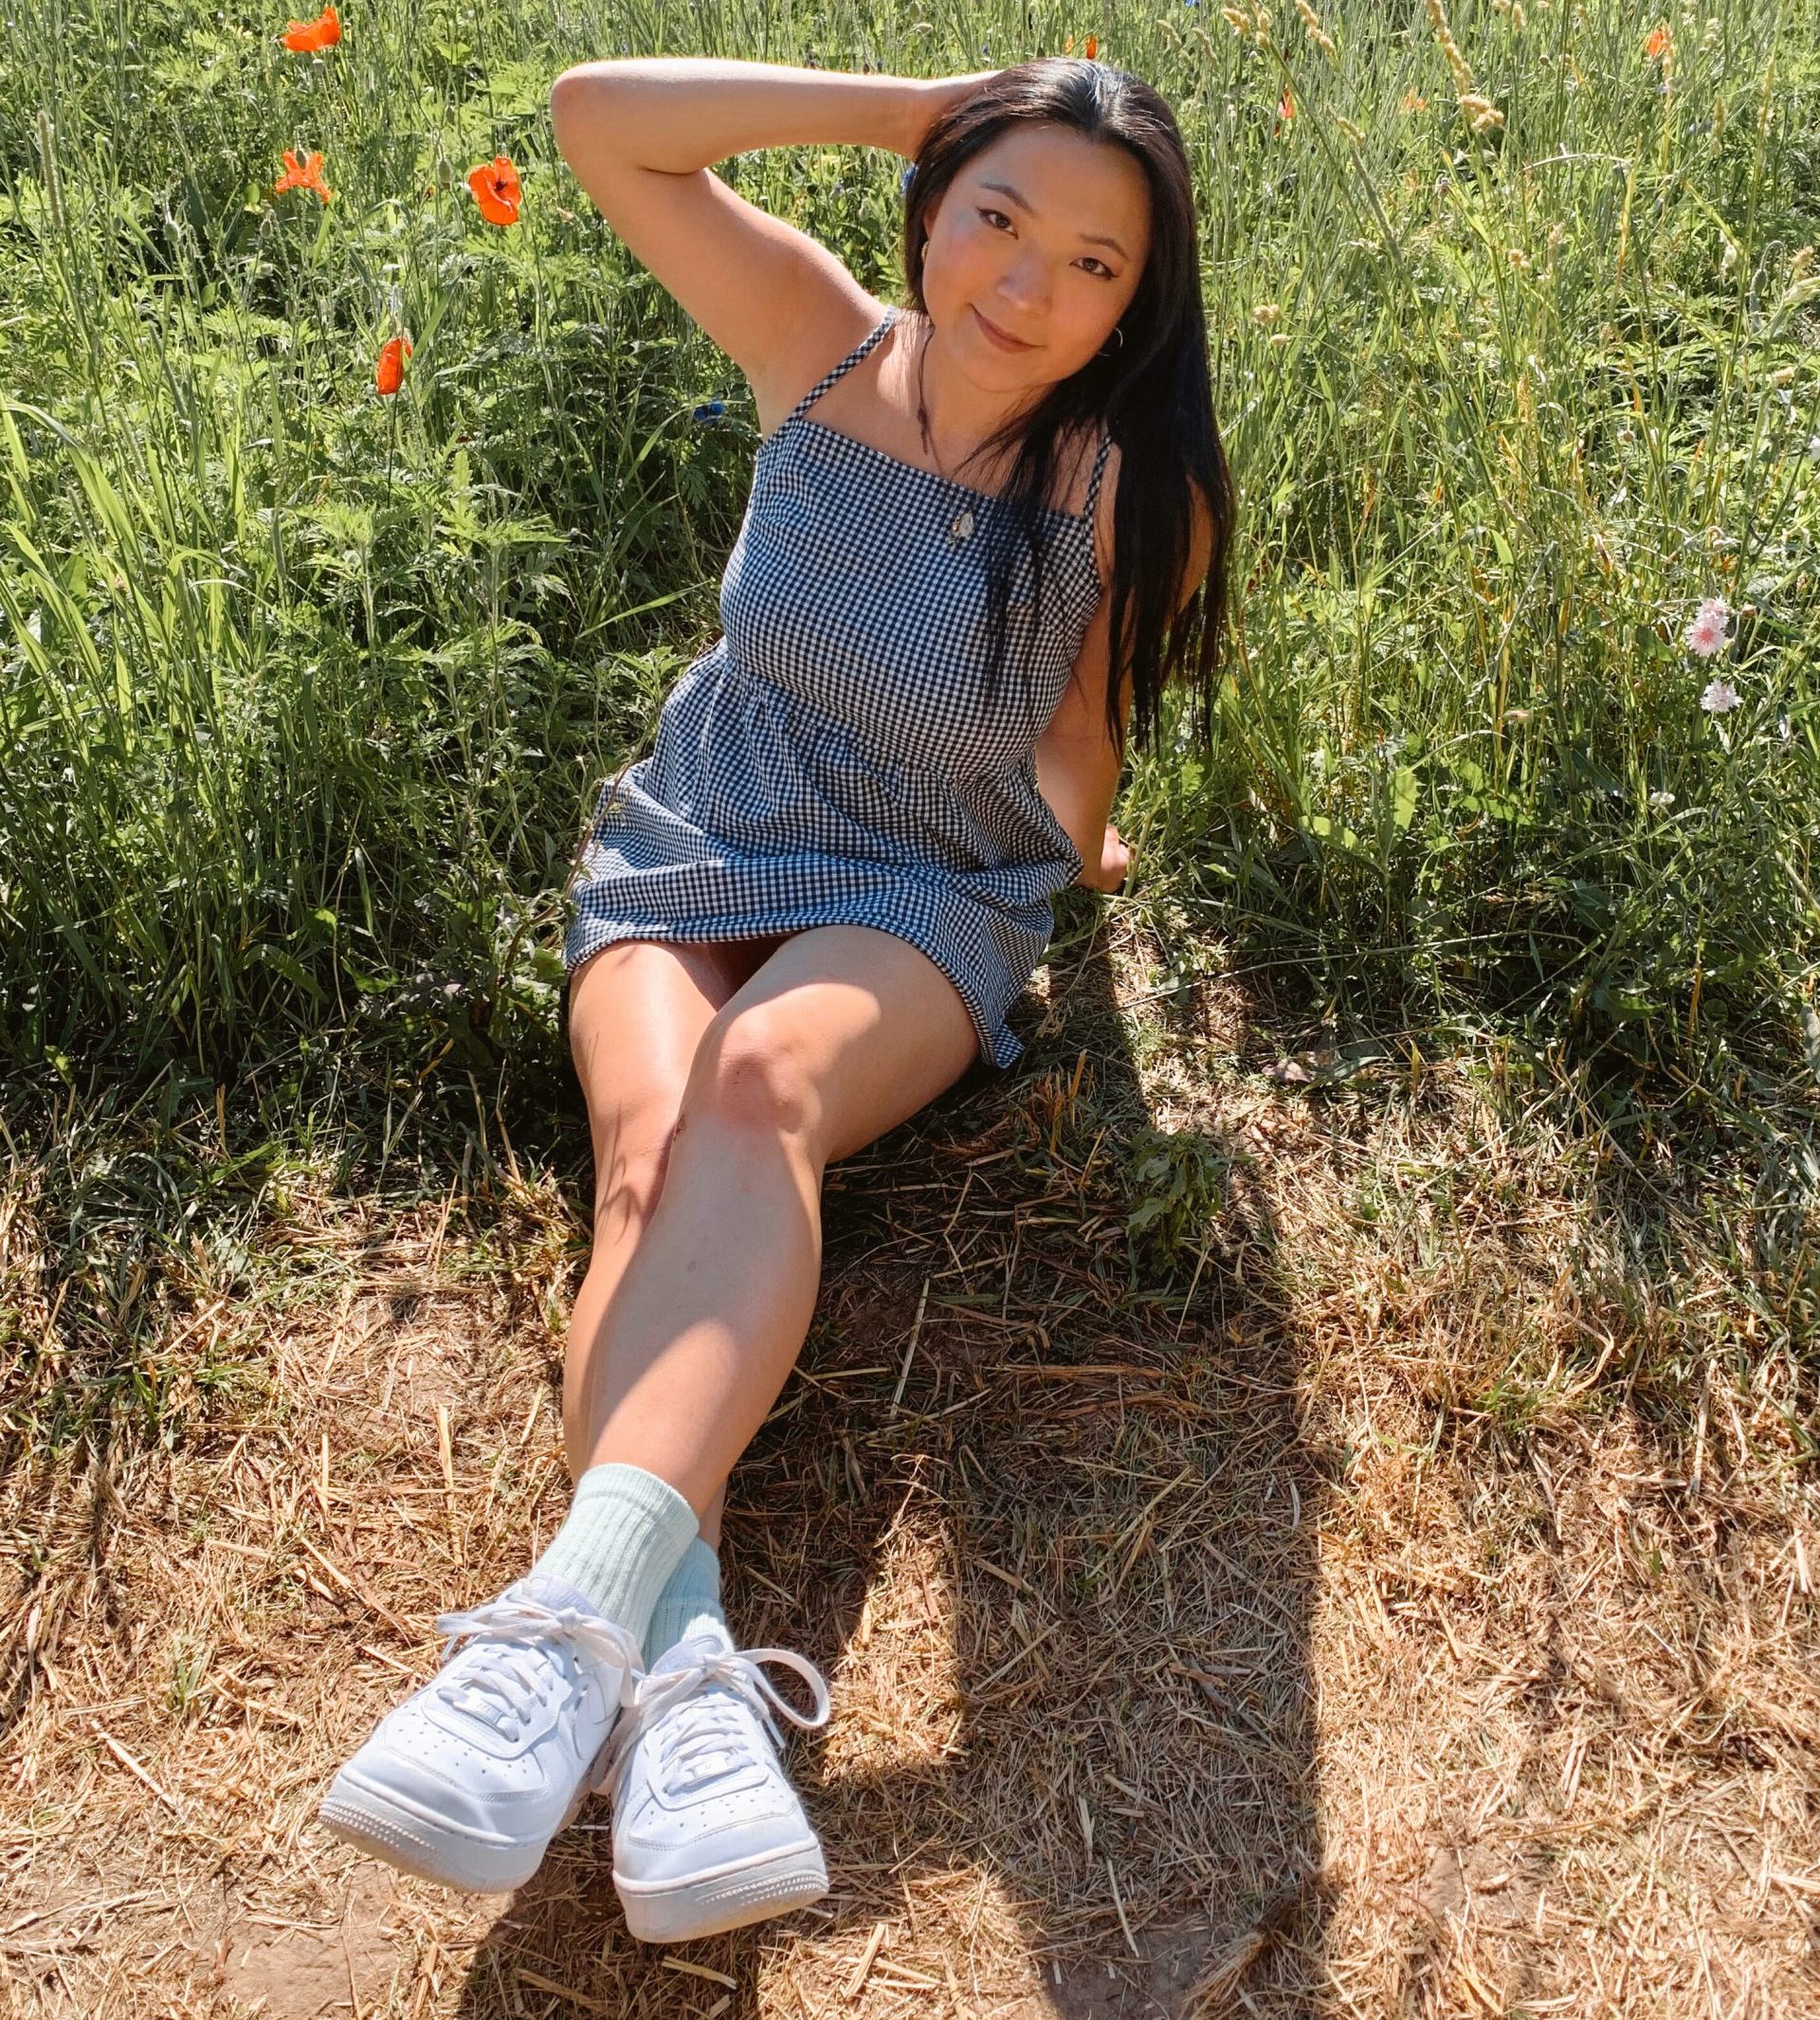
(636, 1014)
(840, 1035)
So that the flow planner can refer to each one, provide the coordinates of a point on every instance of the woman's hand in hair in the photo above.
(933, 97)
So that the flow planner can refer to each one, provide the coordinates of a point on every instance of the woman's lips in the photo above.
(995, 336)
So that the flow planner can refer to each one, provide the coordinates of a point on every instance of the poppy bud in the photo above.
(389, 373)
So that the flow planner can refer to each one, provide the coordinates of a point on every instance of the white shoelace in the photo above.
(504, 1683)
(717, 1727)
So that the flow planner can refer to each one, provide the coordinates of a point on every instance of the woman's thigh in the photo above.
(637, 1011)
(860, 1026)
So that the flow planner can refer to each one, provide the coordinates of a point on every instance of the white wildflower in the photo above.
(1706, 634)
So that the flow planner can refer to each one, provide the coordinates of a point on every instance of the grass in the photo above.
(1419, 1618)
(1504, 407)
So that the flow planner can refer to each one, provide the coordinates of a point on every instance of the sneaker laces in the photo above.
(503, 1680)
(716, 1728)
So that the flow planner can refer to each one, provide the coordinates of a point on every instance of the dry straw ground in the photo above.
(1343, 1630)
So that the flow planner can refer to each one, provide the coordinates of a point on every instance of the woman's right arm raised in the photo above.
(639, 133)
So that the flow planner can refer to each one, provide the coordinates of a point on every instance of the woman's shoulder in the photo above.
(1200, 535)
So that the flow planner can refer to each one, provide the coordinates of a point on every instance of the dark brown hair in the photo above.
(1152, 391)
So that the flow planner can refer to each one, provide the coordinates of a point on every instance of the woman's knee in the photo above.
(752, 1067)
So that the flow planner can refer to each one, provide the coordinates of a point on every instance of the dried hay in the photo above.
(1332, 1633)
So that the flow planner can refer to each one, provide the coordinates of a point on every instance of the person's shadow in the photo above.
(1036, 1501)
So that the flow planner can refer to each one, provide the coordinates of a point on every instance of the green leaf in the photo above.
(291, 970)
(1403, 797)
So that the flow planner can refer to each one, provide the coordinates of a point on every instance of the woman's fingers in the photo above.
(1115, 860)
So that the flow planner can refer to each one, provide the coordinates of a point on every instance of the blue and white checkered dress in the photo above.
(832, 758)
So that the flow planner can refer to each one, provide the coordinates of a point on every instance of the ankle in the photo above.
(624, 1535)
(689, 1603)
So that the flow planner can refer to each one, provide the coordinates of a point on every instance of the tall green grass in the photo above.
(305, 693)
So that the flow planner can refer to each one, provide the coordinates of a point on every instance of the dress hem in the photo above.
(999, 1048)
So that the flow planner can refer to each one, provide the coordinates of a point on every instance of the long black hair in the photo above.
(1152, 391)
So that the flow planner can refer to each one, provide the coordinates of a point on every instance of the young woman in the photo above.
(809, 910)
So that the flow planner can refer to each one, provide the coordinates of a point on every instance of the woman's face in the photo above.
(1042, 235)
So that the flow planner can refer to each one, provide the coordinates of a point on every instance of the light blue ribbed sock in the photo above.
(690, 1603)
(624, 1535)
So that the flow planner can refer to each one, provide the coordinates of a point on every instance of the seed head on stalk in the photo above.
(1317, 34)
(1480, 114)
(52, 175)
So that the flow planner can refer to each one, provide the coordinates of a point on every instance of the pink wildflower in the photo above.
(1706, 634)
(1719, 698)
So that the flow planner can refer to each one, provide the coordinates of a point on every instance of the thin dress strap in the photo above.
(828, 378)
(1092, 486)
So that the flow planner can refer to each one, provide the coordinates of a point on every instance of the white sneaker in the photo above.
(467, 1781)
(707, 1832)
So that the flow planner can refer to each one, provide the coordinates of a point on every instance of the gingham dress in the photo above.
(832, 758)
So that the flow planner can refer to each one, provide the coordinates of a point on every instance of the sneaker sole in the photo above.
(431, 1847)
(677, 1911)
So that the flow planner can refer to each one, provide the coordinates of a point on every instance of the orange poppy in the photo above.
(389, 375)
(1414, 102)
(495, 185)
(1661, 40)
(1093, 47)
(306, 175)
(305, 38)
(1285, 107)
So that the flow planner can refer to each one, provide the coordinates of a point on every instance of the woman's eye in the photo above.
(1105, 272)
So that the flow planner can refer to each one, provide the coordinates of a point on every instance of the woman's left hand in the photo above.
(1114, 861)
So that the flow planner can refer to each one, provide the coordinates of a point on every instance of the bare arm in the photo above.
(1077, 765)
(1080, 784)
(676, 114)
(639, 133)
(1076, 762)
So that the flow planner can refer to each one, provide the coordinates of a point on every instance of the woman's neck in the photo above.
(956, 416)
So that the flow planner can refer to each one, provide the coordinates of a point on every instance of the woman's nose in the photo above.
(1026, 289)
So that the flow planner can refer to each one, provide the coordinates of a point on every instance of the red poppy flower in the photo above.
(389, 375)
(495, 185)
(1285, 107)
(305, 38)
(1661, 40)
(1093, 47)
(306, 175)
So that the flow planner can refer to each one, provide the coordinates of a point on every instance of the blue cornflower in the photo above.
(709, 413)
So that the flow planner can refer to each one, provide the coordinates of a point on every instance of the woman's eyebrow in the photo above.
(1092, 237)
